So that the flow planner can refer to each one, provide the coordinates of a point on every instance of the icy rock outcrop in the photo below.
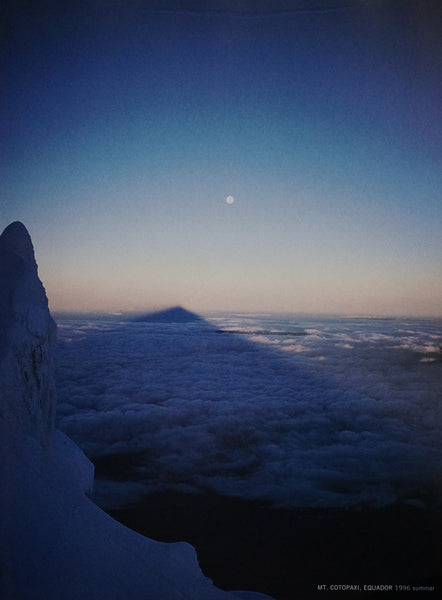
(27, 338)
(55, 544)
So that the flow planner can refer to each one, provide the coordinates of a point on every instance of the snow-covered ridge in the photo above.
(54, 542)
(27, 338)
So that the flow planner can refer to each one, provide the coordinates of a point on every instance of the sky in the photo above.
(126, 126)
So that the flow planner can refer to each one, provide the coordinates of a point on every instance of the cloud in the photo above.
(347, 415)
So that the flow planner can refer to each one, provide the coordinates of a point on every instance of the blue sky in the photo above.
(125, 130)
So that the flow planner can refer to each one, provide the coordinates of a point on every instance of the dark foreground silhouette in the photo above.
(289, 553)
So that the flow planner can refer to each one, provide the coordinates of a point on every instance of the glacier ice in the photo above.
(27, 338)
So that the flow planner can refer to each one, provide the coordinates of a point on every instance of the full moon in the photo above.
(230, 199)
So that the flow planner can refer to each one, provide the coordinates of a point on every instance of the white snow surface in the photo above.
(55, 543)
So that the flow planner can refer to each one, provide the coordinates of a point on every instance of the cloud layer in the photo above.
(302, 412)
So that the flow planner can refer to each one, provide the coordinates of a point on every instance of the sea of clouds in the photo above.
(299, 411)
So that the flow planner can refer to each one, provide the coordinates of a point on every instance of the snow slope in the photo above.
(55, 544)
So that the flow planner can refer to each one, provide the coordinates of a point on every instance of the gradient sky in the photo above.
(126, 125)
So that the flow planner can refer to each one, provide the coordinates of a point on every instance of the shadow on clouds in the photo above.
(296, 413)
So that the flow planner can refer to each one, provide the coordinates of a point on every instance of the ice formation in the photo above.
(27, 338)
(54, 542)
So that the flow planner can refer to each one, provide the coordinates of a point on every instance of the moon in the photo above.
(230, 199)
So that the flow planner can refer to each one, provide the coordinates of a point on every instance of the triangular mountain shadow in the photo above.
(176, 314)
